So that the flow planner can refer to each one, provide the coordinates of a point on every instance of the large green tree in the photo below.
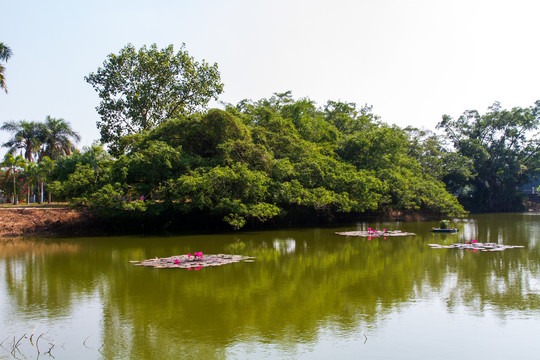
(276, 159)
(438, 160)
(505, 151)
(5, 54)
(139, 89)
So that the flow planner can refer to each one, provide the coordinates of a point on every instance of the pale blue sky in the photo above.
(412, 60)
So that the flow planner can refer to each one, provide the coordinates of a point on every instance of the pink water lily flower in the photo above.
(176, 261)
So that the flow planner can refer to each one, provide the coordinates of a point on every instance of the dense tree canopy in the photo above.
(504, 149)
(140, 89)
(257, 161)
(275, 158)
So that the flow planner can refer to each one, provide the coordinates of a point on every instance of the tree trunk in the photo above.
(14, 189)
(41, 193)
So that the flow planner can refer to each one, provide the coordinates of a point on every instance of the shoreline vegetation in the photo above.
(52, 220)
(167, 163)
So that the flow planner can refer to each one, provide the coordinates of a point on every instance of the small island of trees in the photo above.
(166, 160)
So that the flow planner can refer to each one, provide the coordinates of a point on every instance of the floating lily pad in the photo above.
(476, 246)
(376, 233)
(195, 262)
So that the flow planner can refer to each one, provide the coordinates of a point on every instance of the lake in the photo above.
(310, 294)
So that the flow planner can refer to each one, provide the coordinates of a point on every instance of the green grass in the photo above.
(56, 205)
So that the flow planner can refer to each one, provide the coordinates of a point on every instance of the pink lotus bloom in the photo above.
(176, 261)
(474, 241)
(188, 255)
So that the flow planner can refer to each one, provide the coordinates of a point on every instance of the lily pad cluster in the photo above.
(475, 246)
(196, 261)
(375, 233)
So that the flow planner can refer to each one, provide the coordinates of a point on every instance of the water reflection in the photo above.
(303, 283)
(286, 246)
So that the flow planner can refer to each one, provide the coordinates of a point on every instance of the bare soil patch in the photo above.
(16, 222)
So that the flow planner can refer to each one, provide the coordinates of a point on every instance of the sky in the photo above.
(412, 60)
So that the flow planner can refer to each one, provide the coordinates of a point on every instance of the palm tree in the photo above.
(56, 135)
(26, 136)
(13, 163)
(5, 54)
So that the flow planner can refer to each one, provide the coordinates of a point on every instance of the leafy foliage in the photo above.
(51, 138)
(5, 54)
(268, 160)
(14, 165)
(504, 150)
(140, 89)
(56, 136)
(262, 160)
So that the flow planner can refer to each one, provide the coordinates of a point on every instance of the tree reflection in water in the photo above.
(302, 281)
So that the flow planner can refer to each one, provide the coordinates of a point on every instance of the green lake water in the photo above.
(310, 294)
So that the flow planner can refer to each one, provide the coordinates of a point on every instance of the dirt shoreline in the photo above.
(15, 222)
